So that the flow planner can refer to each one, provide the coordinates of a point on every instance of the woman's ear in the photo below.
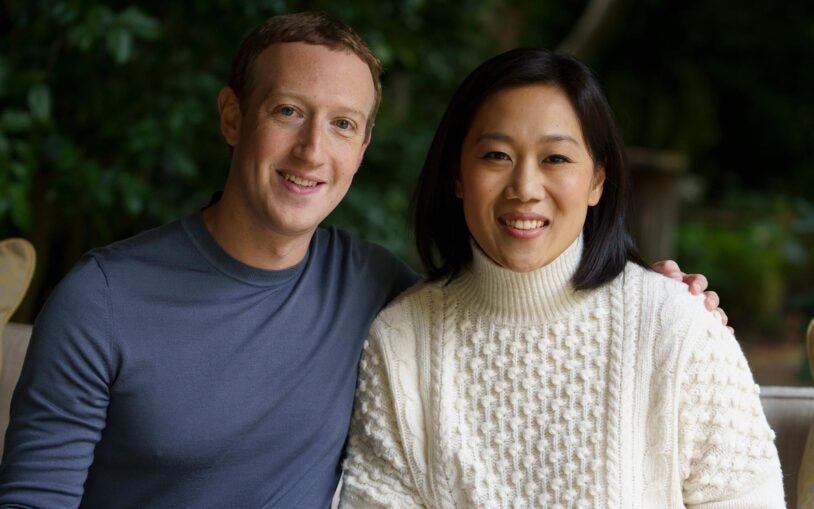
(597, 186)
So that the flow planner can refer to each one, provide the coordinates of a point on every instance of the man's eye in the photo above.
(344, 124)
(286, 111)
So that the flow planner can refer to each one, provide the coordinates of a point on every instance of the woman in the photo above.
(542, 365)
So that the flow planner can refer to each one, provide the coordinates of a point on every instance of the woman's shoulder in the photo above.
(407, 313)
(663, 294)
(413, 298)
(665, 306)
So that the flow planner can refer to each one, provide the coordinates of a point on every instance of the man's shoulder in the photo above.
(147, 243)
(363, 258)
(133, 258)
(333, 238)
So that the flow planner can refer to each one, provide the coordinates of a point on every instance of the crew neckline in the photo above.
(230, 266)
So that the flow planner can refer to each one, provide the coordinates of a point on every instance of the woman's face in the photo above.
(527, 177)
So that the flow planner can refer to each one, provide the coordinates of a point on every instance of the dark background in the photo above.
(108, 122)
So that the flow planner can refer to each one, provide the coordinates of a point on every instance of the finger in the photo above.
(668, 268)
(711, 300)
(724, 317)
(720, 314)
(697, 283)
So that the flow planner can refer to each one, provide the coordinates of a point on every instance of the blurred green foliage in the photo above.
(758, 252)
(757, 249)
(108, 120)
(727, 82)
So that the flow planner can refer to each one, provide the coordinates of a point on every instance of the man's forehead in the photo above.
(316, 72)
(300, 58)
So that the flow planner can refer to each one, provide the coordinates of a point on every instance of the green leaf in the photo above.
(15, 121)
(39, 103)
(99, 18)
(180, 164)
(64, 13)
(4, 72)
(81, 37)
(133, 193)
(120, 44)
(19, 170)
(140, 23)
(21, 214)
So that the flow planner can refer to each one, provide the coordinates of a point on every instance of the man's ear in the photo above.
(230, 115)
(597, 186)
(365, 144)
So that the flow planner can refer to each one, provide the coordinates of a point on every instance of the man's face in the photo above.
(301, 138)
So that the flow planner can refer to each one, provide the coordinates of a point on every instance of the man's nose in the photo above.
(309, 144)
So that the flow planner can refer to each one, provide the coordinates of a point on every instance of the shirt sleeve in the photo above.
(727, 452)
(376, 474)
(59, 406)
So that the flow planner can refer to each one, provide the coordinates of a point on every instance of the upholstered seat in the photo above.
(17, 261)
(15, 343)
(805, 483)
(790, 411)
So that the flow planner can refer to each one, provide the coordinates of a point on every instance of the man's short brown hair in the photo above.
(308, 27)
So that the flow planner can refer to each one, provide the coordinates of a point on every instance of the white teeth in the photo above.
(300, 181)
(525, 224)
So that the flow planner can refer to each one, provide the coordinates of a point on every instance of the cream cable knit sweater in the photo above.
(507, 389)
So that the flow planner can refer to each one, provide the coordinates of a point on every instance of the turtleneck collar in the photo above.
(520, 297)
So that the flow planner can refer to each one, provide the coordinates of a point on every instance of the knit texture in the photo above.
(507, 389)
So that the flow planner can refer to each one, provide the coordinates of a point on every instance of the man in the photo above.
(211, 362)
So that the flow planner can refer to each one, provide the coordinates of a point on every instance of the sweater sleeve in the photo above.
(59, 406)
(376, 473)
(727, 453)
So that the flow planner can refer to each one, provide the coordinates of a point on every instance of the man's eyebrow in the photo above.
(352, 112)
(343, 110)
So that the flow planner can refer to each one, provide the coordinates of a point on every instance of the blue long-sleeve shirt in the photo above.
(164, 373)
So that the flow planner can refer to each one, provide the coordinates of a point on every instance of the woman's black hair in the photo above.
(441, 234)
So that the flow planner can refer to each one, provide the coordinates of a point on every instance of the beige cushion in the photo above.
(805, 481)
(790, 412)
(17, 259)
(15, 344)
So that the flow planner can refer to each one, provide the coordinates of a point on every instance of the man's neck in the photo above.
(256, 247)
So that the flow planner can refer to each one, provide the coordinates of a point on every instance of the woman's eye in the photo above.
(497, 156)
(555, 159)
